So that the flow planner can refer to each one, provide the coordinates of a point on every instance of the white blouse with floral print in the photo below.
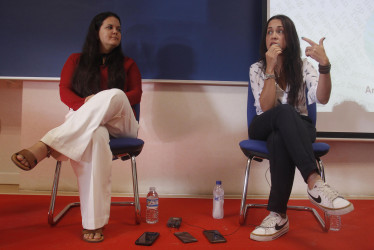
(310, 80)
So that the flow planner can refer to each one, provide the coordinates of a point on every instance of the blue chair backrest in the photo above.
(312, 109)
(251, 109)
(136, 107)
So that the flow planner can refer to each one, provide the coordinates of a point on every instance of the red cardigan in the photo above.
(132, 89)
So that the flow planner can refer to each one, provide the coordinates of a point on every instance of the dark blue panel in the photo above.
(185, 40)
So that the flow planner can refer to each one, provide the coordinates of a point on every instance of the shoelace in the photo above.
(269, 221)
(328, 191)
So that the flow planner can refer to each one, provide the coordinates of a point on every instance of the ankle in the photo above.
(312, 179)
(40, 150)
(283, 215)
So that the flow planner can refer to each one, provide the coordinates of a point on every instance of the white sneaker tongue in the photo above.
(318, 183)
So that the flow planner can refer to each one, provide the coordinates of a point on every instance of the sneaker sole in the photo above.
(334, 211)
(278, 234)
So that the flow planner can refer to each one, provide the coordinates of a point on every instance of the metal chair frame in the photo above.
(324, 223)
(53, 220)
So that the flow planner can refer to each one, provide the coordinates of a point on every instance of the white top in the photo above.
(310, 80)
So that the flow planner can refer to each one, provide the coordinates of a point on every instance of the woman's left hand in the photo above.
(316, 51)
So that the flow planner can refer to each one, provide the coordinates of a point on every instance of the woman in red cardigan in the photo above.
(99, 86)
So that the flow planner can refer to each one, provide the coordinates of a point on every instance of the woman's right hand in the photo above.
(88, 98)
(272, 57)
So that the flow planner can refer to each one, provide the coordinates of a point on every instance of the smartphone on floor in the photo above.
(147, 238)
(214, 236)
(185, 237)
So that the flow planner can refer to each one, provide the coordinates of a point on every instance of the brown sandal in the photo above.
(95, 231)
(29, 157)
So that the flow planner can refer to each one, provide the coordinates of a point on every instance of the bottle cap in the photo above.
(218, 182)
(152, 188)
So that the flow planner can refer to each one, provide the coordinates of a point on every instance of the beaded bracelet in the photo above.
(324, 69)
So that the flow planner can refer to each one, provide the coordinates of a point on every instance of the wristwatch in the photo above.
(269, 76)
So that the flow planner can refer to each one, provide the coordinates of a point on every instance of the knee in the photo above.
(117, 94)
(111, 96)
(118, 98)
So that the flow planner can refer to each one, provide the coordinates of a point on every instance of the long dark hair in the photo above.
(292, 63)
(86, 78)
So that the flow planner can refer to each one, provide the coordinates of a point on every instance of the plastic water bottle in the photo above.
(335, 222)
(218, 200)
(151, 216)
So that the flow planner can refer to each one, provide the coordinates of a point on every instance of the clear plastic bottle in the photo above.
(151, 216)
(218, 200)
(335, 222)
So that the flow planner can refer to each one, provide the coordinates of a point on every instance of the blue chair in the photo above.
(122, 148)
(257, 150)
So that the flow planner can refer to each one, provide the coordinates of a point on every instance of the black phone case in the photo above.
(214, 236)
(185, 237)
(147, 238)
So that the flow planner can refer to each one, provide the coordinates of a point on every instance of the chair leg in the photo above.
(54, 220)
(321, 168)
(243, 207)
(135, 189)
(324, 223)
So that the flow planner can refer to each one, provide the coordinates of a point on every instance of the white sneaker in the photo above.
(272, 227)
(326, 198)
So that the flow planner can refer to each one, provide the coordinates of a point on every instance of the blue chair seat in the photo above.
(130, 146)
(254, 148)
(320, 149)
(258, 148)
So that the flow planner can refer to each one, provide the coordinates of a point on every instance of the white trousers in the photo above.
(84, 138)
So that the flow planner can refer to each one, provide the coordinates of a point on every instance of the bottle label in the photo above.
(218, 198)
(152, 203)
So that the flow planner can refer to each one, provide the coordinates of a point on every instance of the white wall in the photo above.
(10, 128)
(191, 135)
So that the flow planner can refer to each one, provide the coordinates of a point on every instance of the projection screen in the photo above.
(349, 30)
